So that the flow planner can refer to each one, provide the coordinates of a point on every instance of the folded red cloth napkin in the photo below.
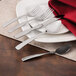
(67, 10)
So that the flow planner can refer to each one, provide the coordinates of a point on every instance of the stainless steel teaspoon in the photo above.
(62, 50)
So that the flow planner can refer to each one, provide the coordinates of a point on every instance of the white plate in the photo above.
(20, 10)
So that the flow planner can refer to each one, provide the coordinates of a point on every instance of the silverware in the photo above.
(35, 11)
(62, 50)
(44, 16)
(41, 24)
(21, 45)
(41, 17)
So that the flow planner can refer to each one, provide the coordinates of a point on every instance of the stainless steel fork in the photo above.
(41, 17)
(35, 11)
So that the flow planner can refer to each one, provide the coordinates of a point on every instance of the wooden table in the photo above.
(11, 64)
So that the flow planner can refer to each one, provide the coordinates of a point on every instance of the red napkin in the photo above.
(67, 10)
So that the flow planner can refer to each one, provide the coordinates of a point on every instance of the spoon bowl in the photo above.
(63, 49)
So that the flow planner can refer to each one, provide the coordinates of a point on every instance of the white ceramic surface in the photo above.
(21, 9)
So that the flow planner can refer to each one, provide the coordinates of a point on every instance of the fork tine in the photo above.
(12, 20)
(45, 15)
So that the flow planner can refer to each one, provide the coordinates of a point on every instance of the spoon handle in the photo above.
(35, 56)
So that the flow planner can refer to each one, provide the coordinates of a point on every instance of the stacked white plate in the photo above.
(62, 36)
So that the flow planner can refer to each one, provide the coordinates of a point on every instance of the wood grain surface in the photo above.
(50, 65)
